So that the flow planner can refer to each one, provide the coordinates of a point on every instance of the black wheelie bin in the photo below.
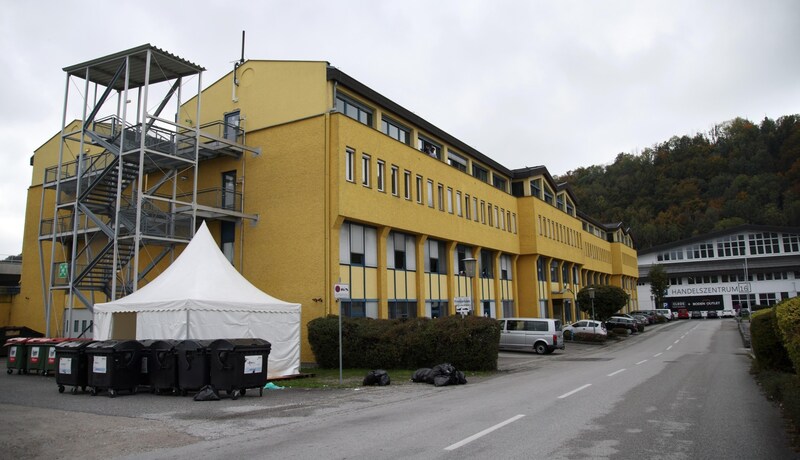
(239, 364)
(144, 369)
(192, 364)
(114, 365)
(72, 368)
(162, 366)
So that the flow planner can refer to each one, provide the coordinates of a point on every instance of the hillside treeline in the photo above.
(737, 173)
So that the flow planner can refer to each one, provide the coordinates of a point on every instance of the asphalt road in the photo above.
(678, 391)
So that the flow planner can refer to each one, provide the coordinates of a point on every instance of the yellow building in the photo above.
(307, 178)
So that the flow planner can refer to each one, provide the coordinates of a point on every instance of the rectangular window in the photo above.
(440, 195)
(229, 190)
(353, 109)
(480, 173)
(449, 200)
(395, 179)
(457, 161)
(430, 193)
(349, 165)
(498, 182)
(365, 169)
(536, 188)
(475, 208)
(487, 264)
(407, 184)
(400, 251)
(458, 204)
(435, 257)
(419, 189)
(514, 222)
(548, 195)
(491, 222)
(429, 147)
(791, 243)
(496, 217)
(483, 212)
(395, 130)
(358, 245)
(505, 267)
(466, 206)
(381, 174)
(402, 309)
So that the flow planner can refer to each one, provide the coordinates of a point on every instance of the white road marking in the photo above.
(615, 373)
(641, 362)
(669, 348)
(483, 433)
(677, 341)
(657, 355)
(575, 391)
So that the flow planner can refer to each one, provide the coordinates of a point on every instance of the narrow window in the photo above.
(381, 174)
(419, 189)
(407, 184)
(365, 170)
(229, 190)
(440, 195)
(466, 206)
(449, 200)
(349, 167)
(430, 193)
(395, 179)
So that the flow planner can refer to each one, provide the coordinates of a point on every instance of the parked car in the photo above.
(641, 319)
(669, 314)
(621, 321)
(727, 313)
(743, 313)
(683, 313)
(697, 314)
(649, 314)
(542, 335)
(588, 326)
(712, 314)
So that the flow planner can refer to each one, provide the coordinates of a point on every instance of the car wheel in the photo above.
(568, 335)
(541, 348)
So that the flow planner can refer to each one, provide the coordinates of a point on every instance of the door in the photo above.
(231, 131)
(229, 190)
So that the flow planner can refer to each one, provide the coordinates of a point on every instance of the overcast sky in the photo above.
(562, 84)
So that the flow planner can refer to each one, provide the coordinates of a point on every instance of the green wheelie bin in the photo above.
(17, 355)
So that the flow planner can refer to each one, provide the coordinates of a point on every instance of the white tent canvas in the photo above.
(202, 296)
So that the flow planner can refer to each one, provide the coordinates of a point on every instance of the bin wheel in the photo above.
(10, 371)
(112, 393)
(184, 392)
(75, 390)
(83, 389)
(93, 391)
(235, 395)
(260, 392)
(61, 388)
(243, 392)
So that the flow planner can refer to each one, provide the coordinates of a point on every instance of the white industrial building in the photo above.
(745, 266)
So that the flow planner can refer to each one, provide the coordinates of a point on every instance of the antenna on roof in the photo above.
(236, 73)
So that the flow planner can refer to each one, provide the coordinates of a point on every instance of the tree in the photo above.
(659, 283)
(607, 301)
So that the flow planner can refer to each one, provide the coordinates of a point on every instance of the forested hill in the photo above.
(737, 173)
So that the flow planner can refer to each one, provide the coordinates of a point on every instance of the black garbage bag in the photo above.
(377, 377)
(207, 393)
(422, 375)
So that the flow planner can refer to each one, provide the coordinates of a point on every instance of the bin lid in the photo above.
(38, 341)
(166, 344)
(233, 344)
(16, 341)
(74, 344)
(193, 344)
(116, 345)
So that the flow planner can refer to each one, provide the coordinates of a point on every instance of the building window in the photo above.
(381, 175)
(438, 309)
(354, 309)
(449, 200)
(402, 309)
(358, 245)
(505, 267)
(462, 252)
(395, 130)
(499, 182)
(457, 161)
(475, 208)
(483, 212)
(430, 193)
(365, 170)
(560, 202)
(419, 189)
(429, 147)
(700, 251)
(732, 246)
(791, 243)
(349, 165)
(353, 109)
(480, 173)
(536, 188)
(232, 123)
(570, 208)
(764, 243)
(229, 190)
(548, 195)
(227, 239)
(407, 184)
(435, 257)
(395, 179)
(400, 251)
(459, 212)
(466, 206)
(491, 222)
(514, 222)
(487, 264)
(440, 195)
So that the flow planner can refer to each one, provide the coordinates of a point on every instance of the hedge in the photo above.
(766, 342)
(787, 314)
(469, 343)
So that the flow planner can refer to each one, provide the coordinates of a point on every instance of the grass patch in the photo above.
(352, 378)
(784, 389)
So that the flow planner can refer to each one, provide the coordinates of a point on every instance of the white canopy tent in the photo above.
(201, 296)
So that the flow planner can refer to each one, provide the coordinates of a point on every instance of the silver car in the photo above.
(542, 335)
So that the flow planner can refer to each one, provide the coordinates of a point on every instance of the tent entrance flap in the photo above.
(123, 325)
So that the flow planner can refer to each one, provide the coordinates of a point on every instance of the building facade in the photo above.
(741, 267)
(307, 178)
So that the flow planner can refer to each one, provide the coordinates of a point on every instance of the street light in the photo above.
(591, 296)
(469, 271)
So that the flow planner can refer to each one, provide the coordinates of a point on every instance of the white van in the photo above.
(667, 313)
(542, 335)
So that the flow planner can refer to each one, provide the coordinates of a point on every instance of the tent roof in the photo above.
(201, 278)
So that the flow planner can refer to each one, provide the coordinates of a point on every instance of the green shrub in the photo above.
(783, 388)
(787, 314)
(469, 343)
(766, 342)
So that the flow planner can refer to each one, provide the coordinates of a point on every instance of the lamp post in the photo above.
(469, 271)
(591, 296)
